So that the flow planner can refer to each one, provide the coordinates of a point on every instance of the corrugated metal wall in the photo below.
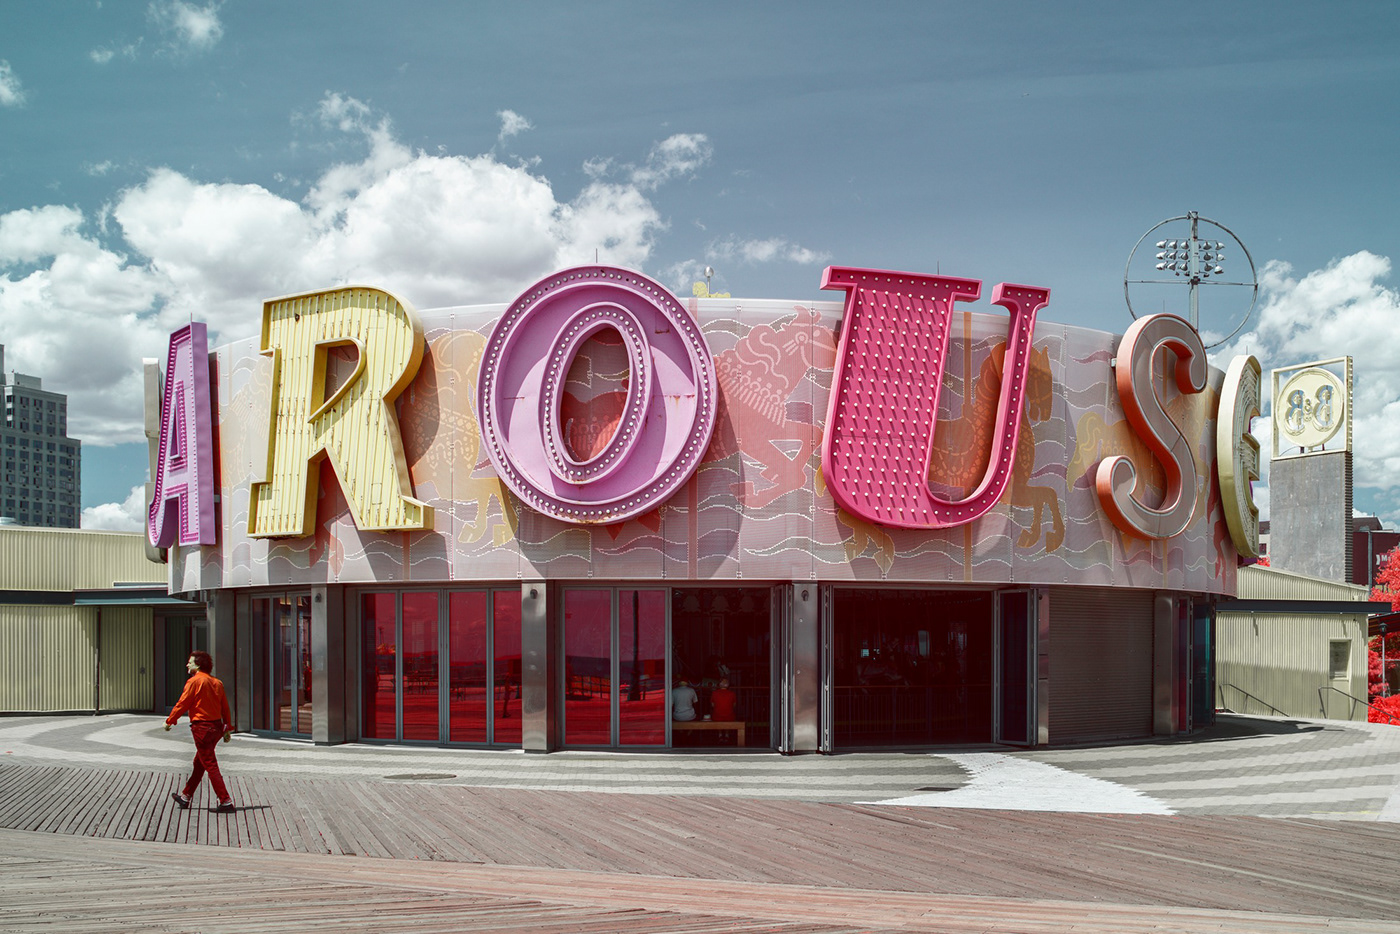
(1259, 583)
(73, 559)
(48, 658)
(128, 658)
(1282, 660)
(1100, 664)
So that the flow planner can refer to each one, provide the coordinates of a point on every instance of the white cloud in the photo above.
(674, 157)
(187, 26)
(774, 249)
(11, 92)
(511, 124)
(128, 516)
(104, 55)
(81, 307)
(1343, 309)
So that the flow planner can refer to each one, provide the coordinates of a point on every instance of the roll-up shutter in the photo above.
(1100, 664)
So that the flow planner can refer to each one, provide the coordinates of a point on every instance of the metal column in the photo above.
(330, 694)
(537, 643)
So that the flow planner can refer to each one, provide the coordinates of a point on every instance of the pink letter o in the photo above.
(667, 420)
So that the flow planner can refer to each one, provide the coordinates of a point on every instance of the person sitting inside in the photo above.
(683, 699)
(722, 701)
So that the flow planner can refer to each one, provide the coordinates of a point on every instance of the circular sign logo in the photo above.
(1311, 407)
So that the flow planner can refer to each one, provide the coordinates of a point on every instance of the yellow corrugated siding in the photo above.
(47, 658)
(73, 559)
(1256, 583)
(1282, 660)
(128, 663)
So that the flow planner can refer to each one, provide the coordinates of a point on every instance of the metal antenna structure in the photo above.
(1195, 261)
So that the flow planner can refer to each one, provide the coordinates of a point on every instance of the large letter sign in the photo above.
(884, 394)
(1116, 478)
(667, 419)
(182, 507)
(1237, 453)
(356, 427)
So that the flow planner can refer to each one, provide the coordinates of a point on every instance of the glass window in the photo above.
(420, 666)
(505, 613)
(723, 634)
(467, 673)
(283, 666)
(641, 637)
(587, 667)
(303, 627)
(1339, 659)
(911, 667)
(379, 665)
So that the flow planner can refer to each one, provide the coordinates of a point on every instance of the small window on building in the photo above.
(1339, 659)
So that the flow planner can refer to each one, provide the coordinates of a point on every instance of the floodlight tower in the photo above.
(1198, 261)
(1194, 259)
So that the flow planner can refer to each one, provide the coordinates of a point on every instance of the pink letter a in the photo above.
(183, 501)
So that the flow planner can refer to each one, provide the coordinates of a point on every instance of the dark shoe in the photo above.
(225, 807)
(180, 800)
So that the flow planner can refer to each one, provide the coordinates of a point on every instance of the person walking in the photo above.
(207, 704)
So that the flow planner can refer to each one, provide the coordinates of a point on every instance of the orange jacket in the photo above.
(204, 699)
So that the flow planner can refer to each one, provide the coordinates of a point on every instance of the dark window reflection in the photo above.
(912, 668)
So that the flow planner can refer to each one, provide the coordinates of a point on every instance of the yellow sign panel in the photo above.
(1237, 452)
(354, 425)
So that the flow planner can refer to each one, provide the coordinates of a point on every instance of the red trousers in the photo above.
(207, 734)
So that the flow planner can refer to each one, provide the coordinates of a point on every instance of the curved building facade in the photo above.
(893, 520)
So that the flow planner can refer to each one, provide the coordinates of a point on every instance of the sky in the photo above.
(182, 159)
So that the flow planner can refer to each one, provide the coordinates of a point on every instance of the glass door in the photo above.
(614, 678)
(1016, 627)
(483, 666)
(282, 643)
(400, 666)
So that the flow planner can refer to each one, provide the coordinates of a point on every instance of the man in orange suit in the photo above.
(210, 718)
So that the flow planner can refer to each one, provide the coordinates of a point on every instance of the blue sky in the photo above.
(170, 159)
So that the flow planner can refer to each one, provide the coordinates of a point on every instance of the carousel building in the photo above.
(605, 517)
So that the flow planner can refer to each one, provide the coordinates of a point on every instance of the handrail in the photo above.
(1390, 718)
(1224, 684)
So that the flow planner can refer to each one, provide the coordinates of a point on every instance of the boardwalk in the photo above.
(87, 847)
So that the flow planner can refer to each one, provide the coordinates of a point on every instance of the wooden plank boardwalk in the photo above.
(387, 856)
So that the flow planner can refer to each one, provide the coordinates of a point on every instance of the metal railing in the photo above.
(1223, 685)
(1351, 715)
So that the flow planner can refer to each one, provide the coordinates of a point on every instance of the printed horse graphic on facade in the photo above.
(442, 437)
(757, 380)
(963, 444)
